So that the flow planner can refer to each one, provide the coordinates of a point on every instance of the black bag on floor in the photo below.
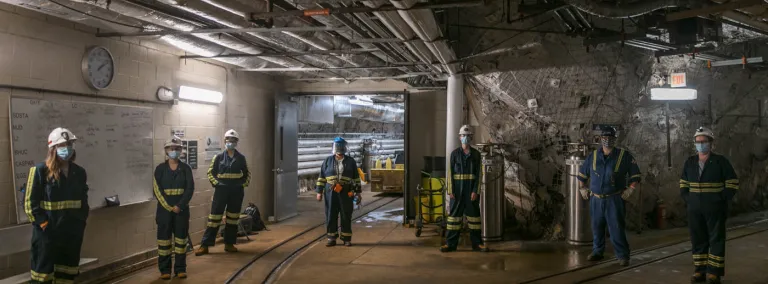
(257, 224)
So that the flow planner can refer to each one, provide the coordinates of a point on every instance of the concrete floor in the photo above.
(386, 252)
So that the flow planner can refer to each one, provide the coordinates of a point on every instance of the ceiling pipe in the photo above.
(347, 10)
(378, 31)
(336, 36)
(608, 10)
(288, 54)
(200, 45)
(425, 26)
(224, 17)
(402, 31)
(362, 33)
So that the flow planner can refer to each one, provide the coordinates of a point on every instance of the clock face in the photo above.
(98, 67)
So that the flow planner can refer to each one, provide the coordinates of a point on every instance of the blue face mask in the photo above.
(703, 147)
(230, 145)
(64, 152)
(465, 140)
(174, 154)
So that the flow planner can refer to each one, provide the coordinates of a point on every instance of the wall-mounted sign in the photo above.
(212, 147)
(677, 80)
(189, 153)
(178, 132)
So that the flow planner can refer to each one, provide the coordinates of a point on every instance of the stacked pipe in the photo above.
(312, 152)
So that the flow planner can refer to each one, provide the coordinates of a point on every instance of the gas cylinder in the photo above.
(661, 215)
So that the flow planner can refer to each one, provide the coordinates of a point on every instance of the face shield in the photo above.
(339, 148)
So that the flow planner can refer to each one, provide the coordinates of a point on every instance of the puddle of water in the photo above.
(394, 215)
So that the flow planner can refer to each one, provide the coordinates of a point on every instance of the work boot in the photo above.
(230, 248)
(624, 262)
(330, 243)
(202, 250)
(165, 276)
(347, 244)
(181, 275)
(480, 248)
(713, 279)
(698, 277)
(446, 248)
(595, 257)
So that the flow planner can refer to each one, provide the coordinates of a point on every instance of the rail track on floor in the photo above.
(294, 245)
(640, 258)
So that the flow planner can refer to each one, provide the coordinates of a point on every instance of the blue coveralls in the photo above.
(464, 174)
(229, 177)
(64, 205)
(338, 203)
(707, 196)
(172, 188)
(608, 176)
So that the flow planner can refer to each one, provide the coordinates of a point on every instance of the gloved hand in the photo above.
(627, 193)
(44, 225)
(319, 197)
(584, 193)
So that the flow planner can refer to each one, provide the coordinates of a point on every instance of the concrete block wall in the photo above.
(45, 52)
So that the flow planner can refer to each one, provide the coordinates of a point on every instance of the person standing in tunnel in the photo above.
(56, 202)
(708, 184)
(613, 175)
(173, 188)
(229, 176)
(339, 183)
(464, 175)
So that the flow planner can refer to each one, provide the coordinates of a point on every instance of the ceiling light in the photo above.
(673, 94)
(200, 95)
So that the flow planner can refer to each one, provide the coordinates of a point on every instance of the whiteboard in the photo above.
(114, 145)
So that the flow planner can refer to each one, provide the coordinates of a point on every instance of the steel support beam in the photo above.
(737, 61)
(694, 50)
(285, 54)
(348, 10)
(511, 29)
(713, 9)
(744, 19)
(226, 30)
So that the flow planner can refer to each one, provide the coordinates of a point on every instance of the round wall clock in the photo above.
(98, 67)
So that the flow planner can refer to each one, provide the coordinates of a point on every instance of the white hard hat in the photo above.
(231, 133)
(175, 141)
(465, 130)
(60, 135)
(703, 131)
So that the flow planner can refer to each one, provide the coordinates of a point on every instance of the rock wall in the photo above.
(574, 89)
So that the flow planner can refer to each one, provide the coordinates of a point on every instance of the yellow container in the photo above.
(430, 215)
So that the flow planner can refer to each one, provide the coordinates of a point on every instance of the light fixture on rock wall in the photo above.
(673, 94)
(200, 95)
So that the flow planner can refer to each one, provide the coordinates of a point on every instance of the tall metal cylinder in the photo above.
(492, 194)
(579, 225)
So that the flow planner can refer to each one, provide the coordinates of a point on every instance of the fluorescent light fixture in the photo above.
(673, 94)
(200, 95)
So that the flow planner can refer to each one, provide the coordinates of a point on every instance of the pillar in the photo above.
(454, 112)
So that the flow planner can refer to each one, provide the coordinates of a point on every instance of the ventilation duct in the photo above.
(638, 8)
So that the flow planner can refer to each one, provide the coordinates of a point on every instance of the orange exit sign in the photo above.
(677, 80)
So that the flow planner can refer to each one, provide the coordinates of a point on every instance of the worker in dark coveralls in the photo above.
(173, 188)
(613, 175)
(56, 202)
(229, 176)
(339, 184)
(464, 179)
(708, 184)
